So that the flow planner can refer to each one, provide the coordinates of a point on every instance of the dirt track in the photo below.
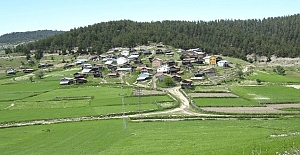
(270, 108)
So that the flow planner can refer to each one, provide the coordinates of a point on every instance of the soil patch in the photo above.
(212, 95)
(148, 92)
(270, 108)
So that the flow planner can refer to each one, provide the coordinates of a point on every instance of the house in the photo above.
(97, 74)
(146, 52)
(176, 78)
(122, 60)
(112, 67)
(186, 62)
(86, 70)
(81, 61)
(174, 69)
(163, 69)
(156, 62)
(125, 53)
(11, 71)
(223, 63)
(186, 84)
(97, 68)
(210, 71)
(66, 81)
(40, 65)
(198, 76)
(143, 76)
(113, 75)
(171, 62)
(133, 56)
(80, 75)
(86, 66)
(159, 51)
(211, 60)
(81, 81)
(28, 70)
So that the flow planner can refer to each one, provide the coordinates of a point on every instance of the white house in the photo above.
(223, 63)
(125, 53)
(121, 60)
(163, 69)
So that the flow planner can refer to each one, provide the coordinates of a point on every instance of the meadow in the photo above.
(46, 99)
(181, 137)
(248, 95)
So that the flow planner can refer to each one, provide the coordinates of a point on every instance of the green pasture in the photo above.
(48, 100)
(250, 95)
(290, 77)
(268, 94)
(181, 137)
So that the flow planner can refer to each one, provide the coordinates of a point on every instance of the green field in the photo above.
(291, 77)
(183, 137)
(249, 96)
(24, 101)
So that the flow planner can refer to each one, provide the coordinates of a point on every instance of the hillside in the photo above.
(272, 36)
(19, 37)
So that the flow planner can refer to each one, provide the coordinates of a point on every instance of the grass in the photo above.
(47, 100)
(268, 94)
(183, 137)
(272, 77)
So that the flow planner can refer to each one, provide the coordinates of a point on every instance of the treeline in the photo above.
(279, 36)
(20, 37)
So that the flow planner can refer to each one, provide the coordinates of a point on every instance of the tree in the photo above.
(39, 74)
(280, 70)
(169, 81)
(38, 55)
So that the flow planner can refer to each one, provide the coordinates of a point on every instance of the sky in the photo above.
(31, 15)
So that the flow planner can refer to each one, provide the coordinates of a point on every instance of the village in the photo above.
(192, 66)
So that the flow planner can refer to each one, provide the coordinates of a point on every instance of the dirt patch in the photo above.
(294, 86)
(212, 95)
(270, 108)
(148, 92)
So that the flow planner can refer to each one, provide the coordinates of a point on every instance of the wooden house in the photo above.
(186, 84)
(113, 75)
(156, 62)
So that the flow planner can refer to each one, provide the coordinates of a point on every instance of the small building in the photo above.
(176, 78)
(223, 63)
(66, 81)
(171, 62)
(80, 75)
(81, 81)
(163, 69)
(28, 70)
(186, 84)
(125, 53)
(122, 60)
(81, 61)
(11, 71)
(211, 60)
(156, 62)
(143, 76)
(97, 74)
(113, 75)
(174, 69)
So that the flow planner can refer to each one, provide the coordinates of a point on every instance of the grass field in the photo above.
(290, 77)
(183, 137)
(250, 96)
(24, 101)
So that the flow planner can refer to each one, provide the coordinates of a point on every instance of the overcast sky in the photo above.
(30, 15)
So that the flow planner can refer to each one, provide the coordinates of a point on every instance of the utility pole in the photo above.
(123, 109)
(139, 96)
